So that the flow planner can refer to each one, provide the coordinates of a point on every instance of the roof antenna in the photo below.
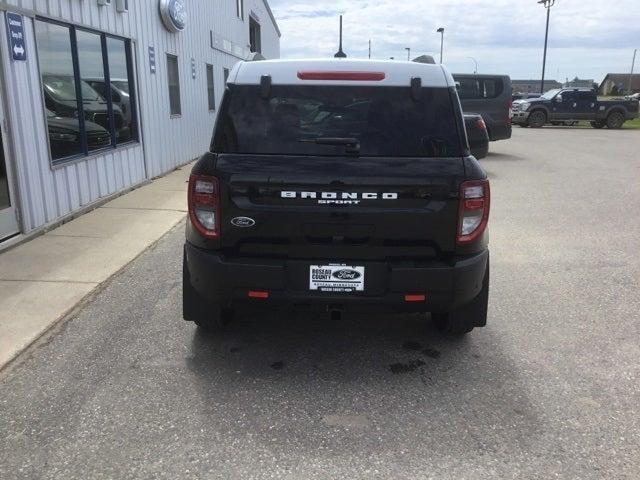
(340, 53)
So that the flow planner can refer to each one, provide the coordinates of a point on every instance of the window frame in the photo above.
(131, 76)
(174, 56)
(256, 29)
(211, 90)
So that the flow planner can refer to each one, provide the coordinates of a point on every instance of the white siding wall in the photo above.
(173, 141)
(46, 194)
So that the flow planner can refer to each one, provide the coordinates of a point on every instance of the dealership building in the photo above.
(97, 96)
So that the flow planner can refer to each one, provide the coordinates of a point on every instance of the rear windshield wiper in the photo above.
(352, 145)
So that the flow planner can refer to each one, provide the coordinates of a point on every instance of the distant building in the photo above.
(533, 86)
(618, 84)
(580, 83)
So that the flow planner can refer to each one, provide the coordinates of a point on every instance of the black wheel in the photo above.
(615, 120)
(467, 317)
(598, 124)
(537, 119)
(209, 316)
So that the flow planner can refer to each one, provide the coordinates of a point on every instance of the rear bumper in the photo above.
(227, 281)
(479, 150)
(499, 131)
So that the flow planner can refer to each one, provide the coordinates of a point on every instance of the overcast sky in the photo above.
(587, 38)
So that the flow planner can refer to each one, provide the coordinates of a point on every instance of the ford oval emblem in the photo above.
(346, 274)
(243, 222)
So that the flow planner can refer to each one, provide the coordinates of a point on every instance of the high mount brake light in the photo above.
(473, 216)
(349, 76)
(204, 205)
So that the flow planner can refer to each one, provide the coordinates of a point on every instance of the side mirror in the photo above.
(558, 98)
(115, 97)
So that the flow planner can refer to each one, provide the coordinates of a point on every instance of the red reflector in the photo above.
(415, 298)
(474, 204)
(258, 294)
(351, 76)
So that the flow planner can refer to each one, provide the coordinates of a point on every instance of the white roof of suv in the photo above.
(340, 72)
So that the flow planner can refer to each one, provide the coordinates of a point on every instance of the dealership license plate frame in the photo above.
(328, 278)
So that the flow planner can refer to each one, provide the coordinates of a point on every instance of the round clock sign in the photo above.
(174, 14)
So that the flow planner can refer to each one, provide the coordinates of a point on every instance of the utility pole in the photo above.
(408, 49)
(633, 64)
(369, 48)
(340, 53)
(547, 4)
(441, 32)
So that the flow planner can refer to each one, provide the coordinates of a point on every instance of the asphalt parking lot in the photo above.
(549, 389)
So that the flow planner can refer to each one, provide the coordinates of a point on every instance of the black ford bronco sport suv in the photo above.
(338, 184)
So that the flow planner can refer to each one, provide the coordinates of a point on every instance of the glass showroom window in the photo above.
(83, 114)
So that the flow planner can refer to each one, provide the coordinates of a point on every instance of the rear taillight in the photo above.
(510, 107)
(481, 124)
(473, 211)
(204, 204)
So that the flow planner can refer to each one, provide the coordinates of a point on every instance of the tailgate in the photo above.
(338, 207)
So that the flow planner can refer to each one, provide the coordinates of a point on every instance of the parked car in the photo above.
(572, 105)
(119, 96)
(524, 96)
(60, 98)
(476, 135)
(489, 96)
(386, 214)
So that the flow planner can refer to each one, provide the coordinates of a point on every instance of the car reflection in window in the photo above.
(120, 98)
(64, 135)
(60, 98)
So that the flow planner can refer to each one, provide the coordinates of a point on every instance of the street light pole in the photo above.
(408, 49)
(441, 32)
(476, 64)
(547, 4)
(633, 64)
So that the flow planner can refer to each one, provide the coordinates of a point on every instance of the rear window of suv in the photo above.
(386, 121)
(474, 88)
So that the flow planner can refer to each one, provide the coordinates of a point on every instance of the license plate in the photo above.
(336, 278)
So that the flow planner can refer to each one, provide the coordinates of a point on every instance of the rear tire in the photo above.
(464, 319)
(598, 124)
(615, 120)
(537, 119)
(209, 316)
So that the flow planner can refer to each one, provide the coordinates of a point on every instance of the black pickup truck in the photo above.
(571, 105)
(340, 185)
